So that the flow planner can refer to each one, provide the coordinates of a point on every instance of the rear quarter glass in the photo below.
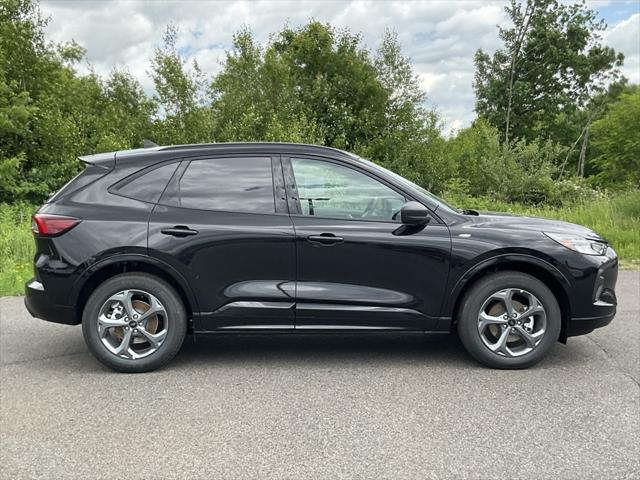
(148, 184)
(90, 174)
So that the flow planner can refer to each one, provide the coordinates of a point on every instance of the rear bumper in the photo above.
(40, 306)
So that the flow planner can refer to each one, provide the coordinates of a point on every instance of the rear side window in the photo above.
(149, 185)
(239, 184)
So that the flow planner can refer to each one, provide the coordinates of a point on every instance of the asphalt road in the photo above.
(400, 406)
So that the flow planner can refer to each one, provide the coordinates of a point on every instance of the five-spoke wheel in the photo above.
(134, 322)
(509, 320)
(512, 322)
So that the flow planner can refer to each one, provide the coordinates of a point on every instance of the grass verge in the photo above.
(16, 247)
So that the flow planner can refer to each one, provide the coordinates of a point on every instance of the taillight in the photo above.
(48, 225)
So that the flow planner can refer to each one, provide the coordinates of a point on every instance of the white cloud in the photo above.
(439, 36)
(625, 37)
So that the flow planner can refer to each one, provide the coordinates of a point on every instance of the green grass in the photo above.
(616, 218)
(16, 247)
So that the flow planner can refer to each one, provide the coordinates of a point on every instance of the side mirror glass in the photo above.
(414, 213)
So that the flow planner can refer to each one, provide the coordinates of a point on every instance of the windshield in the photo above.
(400, 179)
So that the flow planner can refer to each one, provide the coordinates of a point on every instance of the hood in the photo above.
(537, 224)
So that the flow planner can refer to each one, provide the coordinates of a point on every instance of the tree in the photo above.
(45, 120)
(317, 84)
(126, 113)
(180, 94)
(409, 141)
(617, 143)
(551, 65)
(255, 97)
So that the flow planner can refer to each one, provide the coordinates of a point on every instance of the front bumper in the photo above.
(40, 305)
(603, 300)
(581, 326)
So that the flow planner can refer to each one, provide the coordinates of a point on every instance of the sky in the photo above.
(440, 37)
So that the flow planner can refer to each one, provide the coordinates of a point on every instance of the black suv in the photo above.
(145, 245)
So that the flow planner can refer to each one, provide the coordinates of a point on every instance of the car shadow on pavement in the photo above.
(322, 348)
(308, 350)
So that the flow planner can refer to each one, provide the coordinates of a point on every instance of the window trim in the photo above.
(292, 190)
(172, 190)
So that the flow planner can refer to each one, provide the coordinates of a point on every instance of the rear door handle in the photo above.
(325, 239)
(179, 231)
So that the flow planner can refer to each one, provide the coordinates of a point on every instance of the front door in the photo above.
(358, 267)
(222, 222)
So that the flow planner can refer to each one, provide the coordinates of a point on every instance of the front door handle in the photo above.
(179, 231)
(325, 239)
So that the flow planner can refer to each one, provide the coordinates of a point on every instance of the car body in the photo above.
(303, 242)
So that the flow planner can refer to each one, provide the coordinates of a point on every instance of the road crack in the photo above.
(615, 362)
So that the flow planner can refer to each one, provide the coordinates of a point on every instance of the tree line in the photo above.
(555, 119)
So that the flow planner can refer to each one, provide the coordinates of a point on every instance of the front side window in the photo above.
(329, 190)
(228, 184)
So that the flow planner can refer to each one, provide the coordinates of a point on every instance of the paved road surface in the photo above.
(401, 406)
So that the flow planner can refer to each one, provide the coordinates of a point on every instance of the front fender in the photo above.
(482, 265)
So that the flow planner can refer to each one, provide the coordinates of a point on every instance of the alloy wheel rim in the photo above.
(132, 324)
(512, 322)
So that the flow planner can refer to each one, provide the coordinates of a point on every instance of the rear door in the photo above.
(358, 267)
(223, 223)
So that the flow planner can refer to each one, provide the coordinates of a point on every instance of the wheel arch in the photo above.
(548, 274)
(95, 275)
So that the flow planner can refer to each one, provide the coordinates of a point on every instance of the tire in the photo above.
(164, 330)
(523, 345)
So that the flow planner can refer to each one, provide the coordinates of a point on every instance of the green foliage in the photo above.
(16, 247)
(254, 97)
(180, 95)
(616, 138)
(516, 172)
(551, 65)
(49, 115)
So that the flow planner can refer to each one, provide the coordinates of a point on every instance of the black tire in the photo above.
(470, 309)
(176, 323)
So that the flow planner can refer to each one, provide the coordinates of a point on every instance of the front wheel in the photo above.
(134, 322)
(509, 320)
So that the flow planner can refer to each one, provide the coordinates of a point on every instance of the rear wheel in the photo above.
(509, 320)
(134, 322)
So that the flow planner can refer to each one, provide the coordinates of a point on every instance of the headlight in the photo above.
(579, 244)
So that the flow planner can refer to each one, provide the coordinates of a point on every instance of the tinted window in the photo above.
(230, 184)
(149, 186)
(84, 178)
(330, 190)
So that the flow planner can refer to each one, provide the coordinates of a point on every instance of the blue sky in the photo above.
(440, 36)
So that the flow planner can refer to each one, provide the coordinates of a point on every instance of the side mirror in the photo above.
(414, 213)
